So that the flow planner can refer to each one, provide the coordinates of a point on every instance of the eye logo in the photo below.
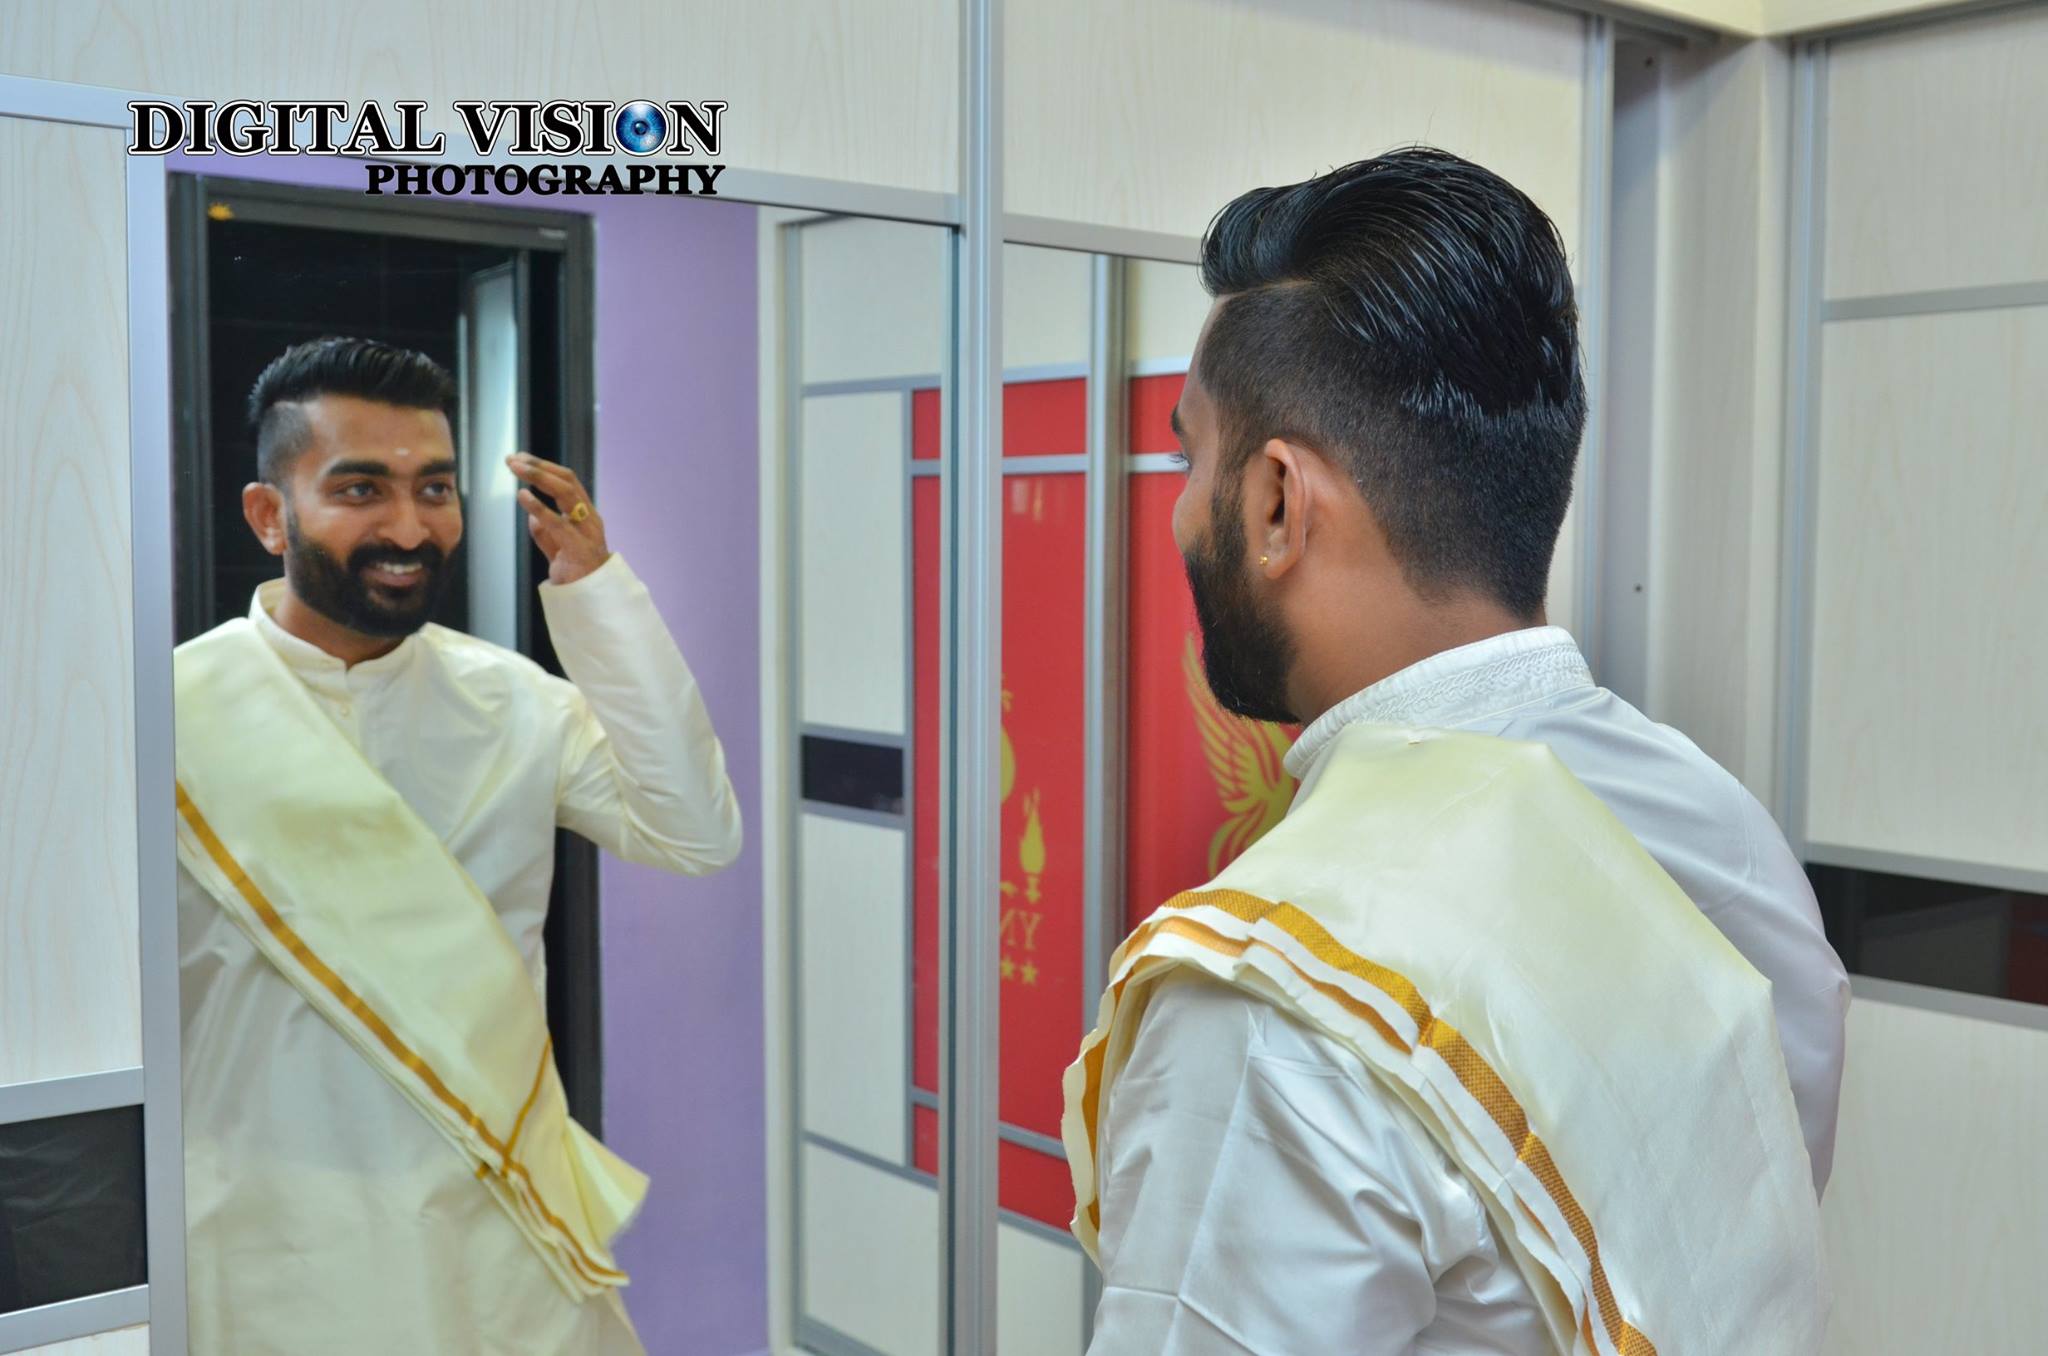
(641, 128)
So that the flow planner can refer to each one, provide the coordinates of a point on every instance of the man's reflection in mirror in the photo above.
(379, 1152)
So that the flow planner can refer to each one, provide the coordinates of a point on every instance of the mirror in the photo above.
(668, 355)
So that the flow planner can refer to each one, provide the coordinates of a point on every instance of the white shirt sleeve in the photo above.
(1260, 1193)
(643, 774)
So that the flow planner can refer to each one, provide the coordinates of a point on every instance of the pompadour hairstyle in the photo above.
(1410, 317)
(334, 366)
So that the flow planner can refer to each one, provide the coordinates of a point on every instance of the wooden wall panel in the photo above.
(69, 997)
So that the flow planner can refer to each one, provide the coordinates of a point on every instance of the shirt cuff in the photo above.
(609, 580)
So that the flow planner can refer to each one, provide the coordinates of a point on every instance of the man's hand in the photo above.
(570, 533)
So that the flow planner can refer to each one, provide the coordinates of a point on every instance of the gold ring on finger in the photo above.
(579, 513)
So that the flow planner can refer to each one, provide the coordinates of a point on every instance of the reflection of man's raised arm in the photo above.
(643, 774)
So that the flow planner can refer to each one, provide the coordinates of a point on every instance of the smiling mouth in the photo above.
(396, 577)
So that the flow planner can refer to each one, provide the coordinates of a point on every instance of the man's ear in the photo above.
(1280, 495)
(263, 507)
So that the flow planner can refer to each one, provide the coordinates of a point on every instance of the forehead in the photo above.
(358, 429)
(1194, 406)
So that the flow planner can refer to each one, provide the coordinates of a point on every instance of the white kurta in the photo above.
(493, 753)
(1261, 1194)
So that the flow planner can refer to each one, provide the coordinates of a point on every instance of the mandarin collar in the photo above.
(306, 657)
(1455, 687)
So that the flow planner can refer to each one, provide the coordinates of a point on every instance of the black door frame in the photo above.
(575, 994)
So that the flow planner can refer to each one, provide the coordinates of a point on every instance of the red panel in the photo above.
(1152, 401)
(1039, 902)
(1035, 1184)
(1044, 565)
(1045, 418)
(1031, 1183)
(924, 949)
(924, 424)
(924, 1139)
(1044, 601)
(2027, 960)
(1188, 761)
(1040, 419)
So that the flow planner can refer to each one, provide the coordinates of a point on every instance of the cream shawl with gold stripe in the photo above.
(1504, 956)
(360, 906)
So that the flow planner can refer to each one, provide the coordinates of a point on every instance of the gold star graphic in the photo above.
(1009, 968)
(1030, 973)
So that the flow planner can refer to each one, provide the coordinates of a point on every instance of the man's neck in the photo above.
(295, 618)
(1345, 659)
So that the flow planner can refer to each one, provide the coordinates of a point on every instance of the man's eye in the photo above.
(440, 493)
(361, 489)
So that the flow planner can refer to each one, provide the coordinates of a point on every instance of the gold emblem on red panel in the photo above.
(1245, 757)
(1020, 921)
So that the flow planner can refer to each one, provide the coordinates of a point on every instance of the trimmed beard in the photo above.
(1245, 653)
(339, 592)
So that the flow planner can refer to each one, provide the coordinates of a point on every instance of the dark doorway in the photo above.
(500, 296)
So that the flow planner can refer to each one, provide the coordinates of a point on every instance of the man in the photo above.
(1452, 1060)
(378, 1152)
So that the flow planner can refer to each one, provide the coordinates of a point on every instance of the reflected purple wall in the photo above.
(678, 484)
(678, 479)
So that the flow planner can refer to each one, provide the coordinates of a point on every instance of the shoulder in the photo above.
(466, 654)
(1703, 826)
(493, 674)
(1221, 1060)
(227, 633)
(1218, 1043)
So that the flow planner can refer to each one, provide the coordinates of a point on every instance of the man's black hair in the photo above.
(349, 367)
(1410, 317)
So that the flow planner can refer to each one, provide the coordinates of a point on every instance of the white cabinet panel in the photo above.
(851, 603)
(1937, 169)
(69, 996)
(870, 1261)
(853, 956)
(1927, 734)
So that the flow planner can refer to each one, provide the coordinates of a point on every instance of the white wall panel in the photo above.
(1936, 163)
(840, 89)
(853, 654)
(877, 300)
(1164, 307)
(1045, 306)
(1934, 1216)
(125, 1342)
(1929, 659)
(1152, 114)
(1715, 398)
(853, 956)
(1038, 1294)
(870, 1262)
(69, 997)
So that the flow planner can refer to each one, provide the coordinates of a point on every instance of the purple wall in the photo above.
(678, 484)
(678, 481)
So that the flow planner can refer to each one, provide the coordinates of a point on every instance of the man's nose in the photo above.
(405, 528)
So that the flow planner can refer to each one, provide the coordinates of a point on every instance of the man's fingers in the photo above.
(539, 507)
(559, 483)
